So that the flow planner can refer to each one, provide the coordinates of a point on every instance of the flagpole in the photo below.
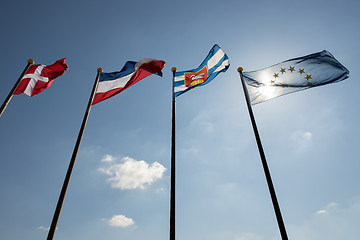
(72, 161)
(264, 163)
(172, 194)
(8, 98)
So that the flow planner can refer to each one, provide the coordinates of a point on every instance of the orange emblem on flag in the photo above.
(196, 78)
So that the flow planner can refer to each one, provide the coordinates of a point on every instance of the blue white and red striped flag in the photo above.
(113, 83)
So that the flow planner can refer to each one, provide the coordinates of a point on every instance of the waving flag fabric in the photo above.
(215, 62)
(39, 77)
(113, 83)
(294, 75)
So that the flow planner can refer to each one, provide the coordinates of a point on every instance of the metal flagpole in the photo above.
(172, 194)
(264, 163)
(72, 161)
(7, 100)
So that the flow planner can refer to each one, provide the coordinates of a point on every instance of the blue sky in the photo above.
(121, 181)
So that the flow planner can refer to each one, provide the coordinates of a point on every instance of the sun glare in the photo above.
(267, 89)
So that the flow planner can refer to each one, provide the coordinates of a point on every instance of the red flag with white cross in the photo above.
(39, 77)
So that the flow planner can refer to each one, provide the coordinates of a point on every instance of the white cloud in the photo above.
(321, 211)
(202, 122)
(308, 135)
(333, 222)
(132, 174)
(108, 158)
(160, 190)
(120, 221)
(301, 139)
(45, 229)
(42, 228)
(330, 207)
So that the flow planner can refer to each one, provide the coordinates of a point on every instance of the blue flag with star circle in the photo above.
(294, 75)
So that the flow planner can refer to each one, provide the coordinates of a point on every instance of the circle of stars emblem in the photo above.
(292, 69)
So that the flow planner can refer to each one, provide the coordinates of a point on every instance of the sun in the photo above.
(267, 89)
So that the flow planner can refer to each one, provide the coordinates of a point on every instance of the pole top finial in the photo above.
(240, 69)
(99, 70)
(173, 69)
(30, 61)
